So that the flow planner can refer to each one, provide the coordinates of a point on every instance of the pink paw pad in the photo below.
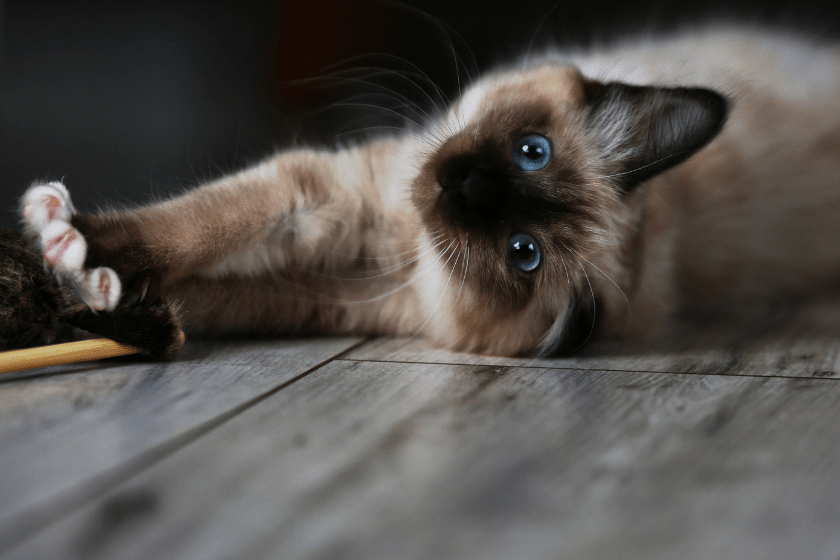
(64, 247)
(49, 204)
(42, 204)
(102, 289)
(47, 211)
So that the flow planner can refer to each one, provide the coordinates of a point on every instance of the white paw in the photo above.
(64, 247)
(44, 203)
(47, 211)
(101, 289)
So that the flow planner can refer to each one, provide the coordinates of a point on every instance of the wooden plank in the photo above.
(66, 431)
(381, 460)
(795, 341)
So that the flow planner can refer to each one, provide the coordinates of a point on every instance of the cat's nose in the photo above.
(468, 185)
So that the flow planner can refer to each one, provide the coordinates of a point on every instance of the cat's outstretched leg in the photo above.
(302, 210)
(47, 214)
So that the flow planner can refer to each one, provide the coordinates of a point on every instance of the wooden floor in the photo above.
(712, 446)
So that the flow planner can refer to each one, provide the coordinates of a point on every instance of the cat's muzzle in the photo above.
(474, 191)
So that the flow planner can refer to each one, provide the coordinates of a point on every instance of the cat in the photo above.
(573, 195)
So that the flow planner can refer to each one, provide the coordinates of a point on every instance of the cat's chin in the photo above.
(477, 327)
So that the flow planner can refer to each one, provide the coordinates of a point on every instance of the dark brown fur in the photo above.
(32, 304)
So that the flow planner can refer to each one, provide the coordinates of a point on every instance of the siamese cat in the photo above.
(568, 197)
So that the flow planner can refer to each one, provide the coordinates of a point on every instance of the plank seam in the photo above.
(26, 524)
(724, 374)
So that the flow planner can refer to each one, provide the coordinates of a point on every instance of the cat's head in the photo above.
(532, 183)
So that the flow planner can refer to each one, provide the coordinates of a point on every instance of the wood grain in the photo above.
(793, 340)
(67, 432)
(385, 460)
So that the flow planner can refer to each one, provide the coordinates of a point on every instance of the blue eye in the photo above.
(532, 152)
(524, 252)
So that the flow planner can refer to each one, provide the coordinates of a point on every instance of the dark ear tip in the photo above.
(715, 109)
(716, 103)
(722, 107)
(671, 124)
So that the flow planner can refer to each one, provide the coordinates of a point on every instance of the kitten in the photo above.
(629, 184)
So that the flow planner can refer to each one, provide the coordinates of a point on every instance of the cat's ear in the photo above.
(648, 130)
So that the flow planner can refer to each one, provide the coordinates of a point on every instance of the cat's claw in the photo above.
(47, 211)
(140, 294)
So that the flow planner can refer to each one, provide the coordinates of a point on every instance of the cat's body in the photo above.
(422, 233)
(756, 214)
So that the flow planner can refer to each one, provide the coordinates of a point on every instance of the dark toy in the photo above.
(32, 304)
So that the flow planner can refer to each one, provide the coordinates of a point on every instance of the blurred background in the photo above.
(130, 101)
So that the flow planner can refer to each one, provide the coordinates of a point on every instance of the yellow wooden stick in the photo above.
(69, 353)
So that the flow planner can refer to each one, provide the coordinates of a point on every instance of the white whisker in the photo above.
(372, 106)
(638, 168)
(594, 313)
(443, 292)
(464, 265)
(391, 256)
(401, 286)
(627, 301)
(388, 270)
(568, 279)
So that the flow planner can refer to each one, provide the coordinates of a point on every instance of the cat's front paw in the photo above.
(47, 214)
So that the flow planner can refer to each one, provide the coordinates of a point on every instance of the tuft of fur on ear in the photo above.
(648, 130)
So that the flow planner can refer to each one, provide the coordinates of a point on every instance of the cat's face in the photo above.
(516, 185)
(531, 178)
